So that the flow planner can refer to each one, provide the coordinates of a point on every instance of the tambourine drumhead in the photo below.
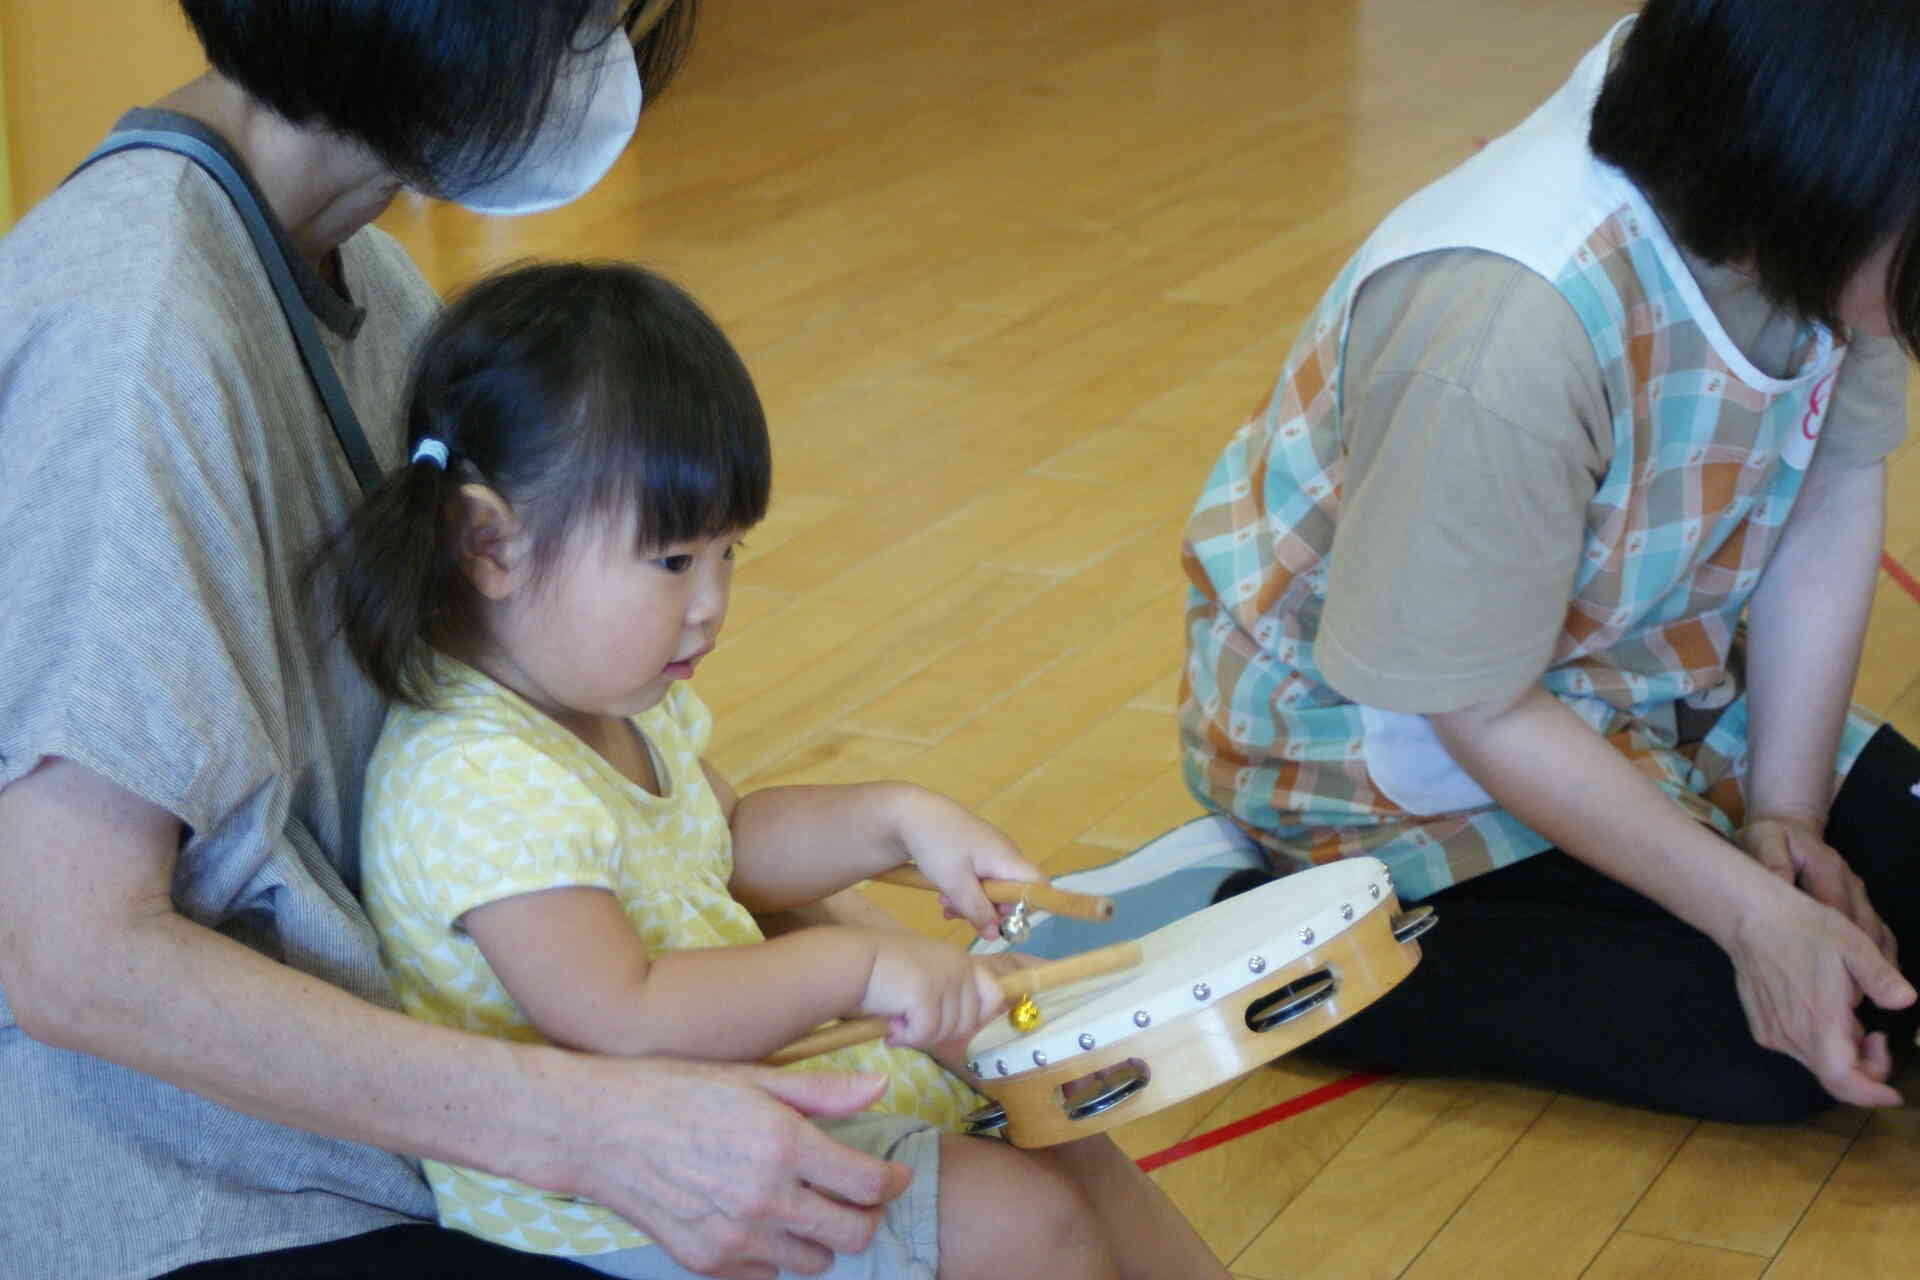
(1188, 965)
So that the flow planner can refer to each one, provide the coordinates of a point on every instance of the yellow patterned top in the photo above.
(483, 798)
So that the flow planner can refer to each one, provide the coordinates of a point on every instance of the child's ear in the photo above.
(489, 544)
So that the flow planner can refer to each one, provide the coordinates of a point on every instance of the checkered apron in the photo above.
(1708, 455)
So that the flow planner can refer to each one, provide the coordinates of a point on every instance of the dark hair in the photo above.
(572, 390)
(448, 93)
(1780, 134)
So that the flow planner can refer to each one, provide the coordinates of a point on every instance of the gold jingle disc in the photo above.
(1025, 1014)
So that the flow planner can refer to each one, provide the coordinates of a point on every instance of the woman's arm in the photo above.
(1806, 626)
(1801, 967)
(714, 1162)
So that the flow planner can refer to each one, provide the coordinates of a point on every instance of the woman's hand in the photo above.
(1802, 967)
(932, 991)
(1793, 849)
(719, 1164)
(957, 850)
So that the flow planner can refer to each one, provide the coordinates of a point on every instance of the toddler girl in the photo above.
(548, 856)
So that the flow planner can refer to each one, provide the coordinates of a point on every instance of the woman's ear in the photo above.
(489, 544)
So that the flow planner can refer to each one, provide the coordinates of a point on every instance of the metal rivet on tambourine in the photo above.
(1086, 1040)
(1000, 1065)
(1141, 1017)
(1256, 964)
(1039, 1058)
(1346, 911)
(974, 1067)
(1373, 891)
(1306, 935)
(1201, 991)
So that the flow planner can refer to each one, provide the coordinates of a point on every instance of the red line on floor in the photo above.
(1900, 575)
(1258, 1120)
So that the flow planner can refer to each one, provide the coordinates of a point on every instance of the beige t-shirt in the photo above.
(1478, 430)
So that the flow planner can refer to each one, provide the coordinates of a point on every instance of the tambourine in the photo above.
(1217, 993)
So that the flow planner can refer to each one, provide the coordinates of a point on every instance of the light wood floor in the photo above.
(1008, 275)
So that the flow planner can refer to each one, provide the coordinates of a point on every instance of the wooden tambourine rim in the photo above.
(1208, 957)
(1204, 1047)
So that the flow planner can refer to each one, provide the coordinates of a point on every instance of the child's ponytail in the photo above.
(392, 572)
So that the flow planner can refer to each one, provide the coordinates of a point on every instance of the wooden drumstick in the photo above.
(1039, 977)
(1039, 895)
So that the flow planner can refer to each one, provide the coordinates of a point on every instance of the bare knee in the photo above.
(1004, 1212)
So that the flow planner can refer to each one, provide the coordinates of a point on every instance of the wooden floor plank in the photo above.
(1557, 1197)
(1777, 1172)
(1375, 1206)
(1865, 1223)
(1633, 1257)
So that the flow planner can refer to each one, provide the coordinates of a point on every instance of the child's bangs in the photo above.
(689, 458)
(681, 495)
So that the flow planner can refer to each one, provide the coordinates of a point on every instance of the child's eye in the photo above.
(675, 564)
(735, 547)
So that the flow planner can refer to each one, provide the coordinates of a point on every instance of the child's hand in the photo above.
(931, 991)
(957, 850)
(1793, 849)
(952, 1054)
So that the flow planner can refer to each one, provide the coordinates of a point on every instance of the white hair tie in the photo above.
(434, 451)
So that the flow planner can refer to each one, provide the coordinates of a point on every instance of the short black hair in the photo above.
(572, 390)
(1781, 134)
(447, 93)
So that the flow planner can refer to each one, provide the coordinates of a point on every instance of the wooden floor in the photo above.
(1008, 275)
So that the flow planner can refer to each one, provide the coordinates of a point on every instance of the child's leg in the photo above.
(1150, 1239)
(1004, 1213)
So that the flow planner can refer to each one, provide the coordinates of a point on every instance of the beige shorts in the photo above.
(906, 1245)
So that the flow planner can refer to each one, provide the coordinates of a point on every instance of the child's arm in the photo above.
(796, 845)
(1806, 625)
(1801, 967)
(713, 1162)
(580, 973)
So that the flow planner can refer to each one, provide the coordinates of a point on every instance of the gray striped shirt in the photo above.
(164, 468)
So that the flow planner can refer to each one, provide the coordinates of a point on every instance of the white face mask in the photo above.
(600, 90)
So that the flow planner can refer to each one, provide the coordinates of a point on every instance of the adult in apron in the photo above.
(1543, 576)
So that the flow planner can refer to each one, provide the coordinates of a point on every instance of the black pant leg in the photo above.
(417, 1252)
(1875, 826)
(1550, 973)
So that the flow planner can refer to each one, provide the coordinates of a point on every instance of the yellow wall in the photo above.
(6, 165)
(67, 71)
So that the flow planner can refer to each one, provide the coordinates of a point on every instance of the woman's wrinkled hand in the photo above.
(1802, 967)
(719, 1164)
(1793, 849)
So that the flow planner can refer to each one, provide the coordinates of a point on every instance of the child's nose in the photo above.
(709, 603)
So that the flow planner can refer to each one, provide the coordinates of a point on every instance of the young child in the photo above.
(1544, 574)
(546, 853)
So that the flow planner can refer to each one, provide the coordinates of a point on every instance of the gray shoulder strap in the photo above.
(306, 336)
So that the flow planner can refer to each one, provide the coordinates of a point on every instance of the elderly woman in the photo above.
(198, 1056)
